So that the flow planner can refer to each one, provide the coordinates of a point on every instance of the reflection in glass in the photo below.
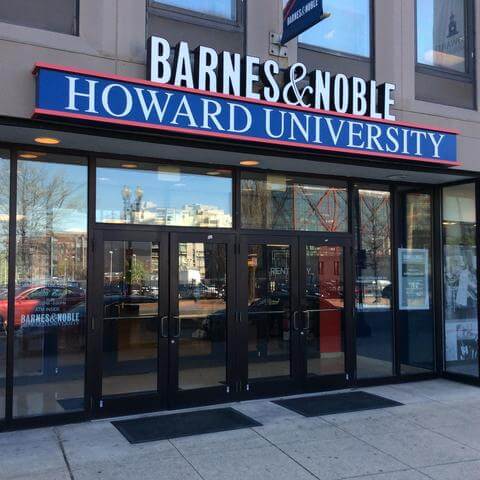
(347, 30)
(373, 309)
(152, 194)
(4, 229)
(323, 310)
(202, 315)
(460, 279)
(441, 33)
(278, 202)
(51, 283)
(415, 289)
(130, 318)
(217, 8)
(269, 311)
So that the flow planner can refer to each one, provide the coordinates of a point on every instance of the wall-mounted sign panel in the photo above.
(79, 94)
(300, 15)
(413, 284)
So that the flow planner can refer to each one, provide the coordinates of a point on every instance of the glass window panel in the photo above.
(269, 311)
(441, 34)
(280, 202)
(55, 15)
(324, 313)
(51, 284)
(415, 286)
(154, 194)
(217, 8)
(130, 317)
(202, 315)
(373, 291)
(4, 243)
(347, 30)
(460, 279)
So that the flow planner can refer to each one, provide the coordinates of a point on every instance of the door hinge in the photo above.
(93, 323)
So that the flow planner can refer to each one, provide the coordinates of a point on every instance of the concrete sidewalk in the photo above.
(435, 435)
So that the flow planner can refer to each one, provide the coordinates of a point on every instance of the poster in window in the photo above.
(449, 34)
(413, 284)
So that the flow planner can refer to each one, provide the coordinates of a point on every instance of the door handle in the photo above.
(295, 318)
(179, 326)
(307, 323)
(162, 326)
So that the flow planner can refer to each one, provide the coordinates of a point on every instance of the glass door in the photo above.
(202, 318)
(325, 309)
(267, 289)
(130, 303)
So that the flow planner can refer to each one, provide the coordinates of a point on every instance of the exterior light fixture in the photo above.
(47, 140)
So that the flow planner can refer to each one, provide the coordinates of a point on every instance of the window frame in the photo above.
(156, 7)
(339, 53)
(470, 56)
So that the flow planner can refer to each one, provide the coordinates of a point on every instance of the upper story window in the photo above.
(224, 9)
(55, 15)
(443, 35)
(347, 30)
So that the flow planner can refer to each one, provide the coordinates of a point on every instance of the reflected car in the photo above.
(197, 292)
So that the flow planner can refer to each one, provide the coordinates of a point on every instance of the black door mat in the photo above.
(163, 427)
(336, 403)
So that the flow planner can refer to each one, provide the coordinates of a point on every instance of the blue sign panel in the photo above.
(97, 97)
(300, 15)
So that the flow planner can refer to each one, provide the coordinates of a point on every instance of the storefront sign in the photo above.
(413, 284)
(228, 74)
(50, 320)
(300, 15)
(78, 94)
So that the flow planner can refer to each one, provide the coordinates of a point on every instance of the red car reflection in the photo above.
(37, 304)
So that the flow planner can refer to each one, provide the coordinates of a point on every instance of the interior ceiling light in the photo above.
(29, 155)
(213, 173)
(249, 163)
(47, 140)
(129, 165)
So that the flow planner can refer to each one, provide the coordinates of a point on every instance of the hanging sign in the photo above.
(219, 95)
(300, 15)
(413, 285)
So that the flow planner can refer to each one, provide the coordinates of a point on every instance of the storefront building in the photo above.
(193, 213)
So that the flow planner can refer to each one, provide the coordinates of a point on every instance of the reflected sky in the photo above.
(219, 8)
(346, 30)
(52, 187)
(164, 188)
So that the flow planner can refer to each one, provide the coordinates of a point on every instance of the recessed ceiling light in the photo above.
(129, 165)
(249, 163)
(213, 173)
(47, 140)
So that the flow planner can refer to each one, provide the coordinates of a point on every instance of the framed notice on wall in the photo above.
(413, 288)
